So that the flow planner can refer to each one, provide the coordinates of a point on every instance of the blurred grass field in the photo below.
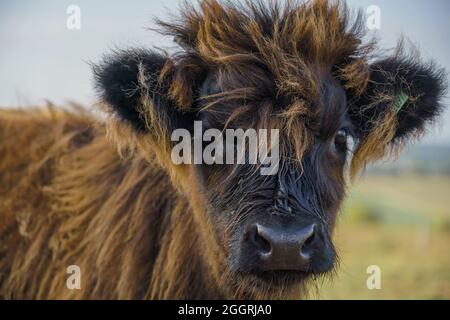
(401, 224)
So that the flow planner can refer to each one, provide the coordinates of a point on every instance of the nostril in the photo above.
(306, 248)
(258, 240)
(310, 238)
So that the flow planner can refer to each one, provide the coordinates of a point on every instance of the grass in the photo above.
(402, 225)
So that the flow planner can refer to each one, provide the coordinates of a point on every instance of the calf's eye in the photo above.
(341, 137)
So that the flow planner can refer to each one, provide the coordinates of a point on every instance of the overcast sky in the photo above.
(41, 59)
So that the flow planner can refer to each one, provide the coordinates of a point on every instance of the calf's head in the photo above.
(300, 68)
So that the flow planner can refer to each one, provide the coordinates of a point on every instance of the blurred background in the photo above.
(397, 215)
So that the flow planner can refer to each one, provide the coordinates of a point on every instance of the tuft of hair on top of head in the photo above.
(284, 39)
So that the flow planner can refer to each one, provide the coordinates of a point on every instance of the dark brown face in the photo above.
(277, 229)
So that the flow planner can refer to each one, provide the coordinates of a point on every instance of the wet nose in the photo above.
(283, 248)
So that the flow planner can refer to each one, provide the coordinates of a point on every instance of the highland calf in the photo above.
(105, 195)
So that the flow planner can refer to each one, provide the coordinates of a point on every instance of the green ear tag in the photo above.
(400, 101)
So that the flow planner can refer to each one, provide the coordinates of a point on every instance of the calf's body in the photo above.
(68, 198)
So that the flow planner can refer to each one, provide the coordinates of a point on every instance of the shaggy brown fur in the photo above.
(118, 219)
(261, 50)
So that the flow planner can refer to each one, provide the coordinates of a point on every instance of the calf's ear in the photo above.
(149, 91)
(402, 96)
